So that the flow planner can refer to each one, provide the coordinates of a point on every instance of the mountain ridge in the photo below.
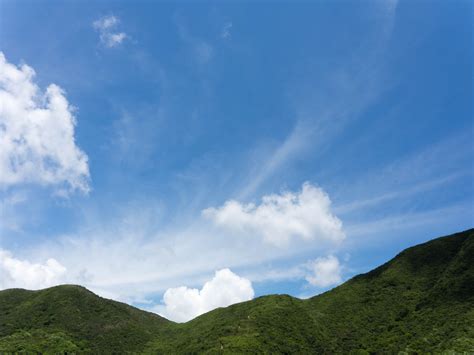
(422, 300)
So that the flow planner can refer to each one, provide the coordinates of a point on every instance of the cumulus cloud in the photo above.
(279, 218)
(182, 303)
(324, 271)
(37, 133)
(107, 28)
(23, 274)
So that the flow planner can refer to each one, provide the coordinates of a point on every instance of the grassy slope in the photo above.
(422, 300)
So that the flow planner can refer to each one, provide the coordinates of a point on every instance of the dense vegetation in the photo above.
(68, 318)
(420, 301)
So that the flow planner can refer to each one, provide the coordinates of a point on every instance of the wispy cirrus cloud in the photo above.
(418, 173)
(201, 49)
(325, 110)
(109, 35)
(226, 30)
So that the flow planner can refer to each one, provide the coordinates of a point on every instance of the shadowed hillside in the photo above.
(420, 301)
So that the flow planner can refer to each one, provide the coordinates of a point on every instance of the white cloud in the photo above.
(225, 34)
(109, 36)
(306, 214)
(182, 303)
(22, 273)
(325, 271)
(37, 133)
(136, 254)
(295, 143)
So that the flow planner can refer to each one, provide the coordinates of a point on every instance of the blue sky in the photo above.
(295, 143)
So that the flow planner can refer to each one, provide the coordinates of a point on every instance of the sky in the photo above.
(182, 156)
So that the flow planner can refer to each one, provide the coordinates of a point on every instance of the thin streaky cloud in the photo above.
(358, 85)
(406, 221)
(402, 193)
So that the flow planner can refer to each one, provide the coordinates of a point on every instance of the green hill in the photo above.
(71, 318)
(420, 301)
